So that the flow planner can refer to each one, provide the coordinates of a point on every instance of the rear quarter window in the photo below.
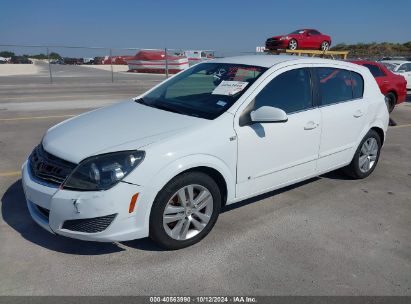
(375, 70)
(357, 85)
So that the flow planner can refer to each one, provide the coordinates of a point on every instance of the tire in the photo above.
(293, 44)
(391, 101)
(325, 45)
(175, 224)
(355, 169)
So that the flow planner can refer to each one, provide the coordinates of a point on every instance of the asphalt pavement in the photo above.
(326, 236)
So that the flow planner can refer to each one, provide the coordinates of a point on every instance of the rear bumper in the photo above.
(402, 97)
(92, 216)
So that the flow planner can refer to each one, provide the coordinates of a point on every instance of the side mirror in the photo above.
(268, 114)
(401, 71)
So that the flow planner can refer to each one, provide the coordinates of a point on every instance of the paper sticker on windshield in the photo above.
(221, 103)
(229, 87)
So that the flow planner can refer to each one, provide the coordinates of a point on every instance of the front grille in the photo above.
(272, 42)
(89, 225)
(48, 167)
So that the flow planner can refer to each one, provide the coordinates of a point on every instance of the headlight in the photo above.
(103, 171)
(284, 38)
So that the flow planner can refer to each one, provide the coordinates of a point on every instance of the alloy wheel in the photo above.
(292, 45)
(188, 212)
(325, 46)
(368, 155)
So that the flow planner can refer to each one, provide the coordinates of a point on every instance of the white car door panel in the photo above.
(271, 155)
(342, 124)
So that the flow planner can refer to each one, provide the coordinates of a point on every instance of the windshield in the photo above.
(297, 32)
(206, 90)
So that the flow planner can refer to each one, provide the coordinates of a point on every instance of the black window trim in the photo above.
(317, 83)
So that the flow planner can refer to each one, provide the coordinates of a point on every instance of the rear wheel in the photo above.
(325, 45)
(366, 157)
(185, 210)
(293, 44)
(390, 101)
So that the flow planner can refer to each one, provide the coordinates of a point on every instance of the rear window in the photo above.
(338, 85)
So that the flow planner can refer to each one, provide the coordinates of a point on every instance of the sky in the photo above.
(224, 26)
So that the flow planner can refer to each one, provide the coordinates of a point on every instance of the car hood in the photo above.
(289, 35)
(126, 124)
(277, 37)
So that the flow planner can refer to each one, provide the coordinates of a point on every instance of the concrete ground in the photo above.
(327, 236)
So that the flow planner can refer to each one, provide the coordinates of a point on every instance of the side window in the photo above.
(335, 85)
(357, 85)
(375, 70)
(314, 33)
(289, 91)
(406, 67)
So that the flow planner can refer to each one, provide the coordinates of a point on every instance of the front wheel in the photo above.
(185, 210)
(366, 157)
(293, 44)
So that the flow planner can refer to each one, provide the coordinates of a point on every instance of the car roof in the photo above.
(270, 60)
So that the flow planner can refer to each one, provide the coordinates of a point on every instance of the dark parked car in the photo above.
(20, 60)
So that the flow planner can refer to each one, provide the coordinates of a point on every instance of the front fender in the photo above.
(167, 173)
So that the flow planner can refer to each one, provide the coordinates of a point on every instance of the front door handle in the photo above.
(311, 125)
(358, 114)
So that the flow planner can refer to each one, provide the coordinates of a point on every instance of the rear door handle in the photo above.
(311, 125)
(358, 114)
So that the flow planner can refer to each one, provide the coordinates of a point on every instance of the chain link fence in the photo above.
(64, 64)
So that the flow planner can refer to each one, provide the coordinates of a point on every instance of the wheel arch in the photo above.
(208, 164)
(380, 133)
(216, 176)
(393, 91)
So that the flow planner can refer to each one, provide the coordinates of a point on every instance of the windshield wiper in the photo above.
(159, 106)
(167, 108)
(140, 101)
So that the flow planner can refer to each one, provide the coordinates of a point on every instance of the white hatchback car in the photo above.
(165, 163)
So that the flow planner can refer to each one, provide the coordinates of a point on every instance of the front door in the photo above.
(271, 155)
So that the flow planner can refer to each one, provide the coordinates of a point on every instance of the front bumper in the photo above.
(276, 44)
(57, 209)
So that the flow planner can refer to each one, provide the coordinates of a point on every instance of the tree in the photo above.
(7, 54)
(54, 56)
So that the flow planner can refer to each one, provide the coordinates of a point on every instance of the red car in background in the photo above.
(300, 39)
(393, 86)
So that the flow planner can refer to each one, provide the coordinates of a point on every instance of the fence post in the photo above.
(165, 53)
(111, 65)
(48, 58)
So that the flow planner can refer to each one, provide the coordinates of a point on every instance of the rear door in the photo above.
(343, 113)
